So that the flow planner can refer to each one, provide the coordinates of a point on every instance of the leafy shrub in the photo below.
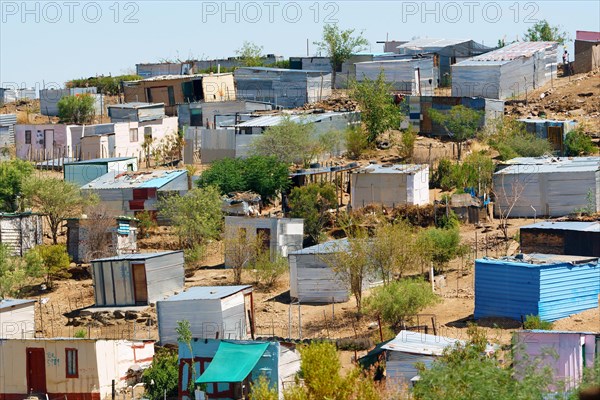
(311, 203)
(535, 322)
(80, 334)
(577, 143)
(105, 84)
(78, 109)
(397, 302)
(146, 223)
(356, 142)
(407, 143)
(163, 375)
(55, 262)
(510, 139)
(440, 246)
(267, 271)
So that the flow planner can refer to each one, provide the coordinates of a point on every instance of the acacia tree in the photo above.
(542, 31)
(289, 142)
(240, 251)
(78, 109)
(250, 54)
(13, 174)
(15, 272)
(378, 111)
(461, 123)
(339, 45)
(57, 200)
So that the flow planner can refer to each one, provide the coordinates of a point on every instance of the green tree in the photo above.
(407, 144)
(461, 123)
(311, 202)
(56, 199)
(162, 375)
(184, 336)
(266, 176)
(16, 272)
(394, 249)
(440, 246)
(476, 171)
(378, 111)
(13, 174)
(466, 372)
(339, 45)
(78, 109)
(55, 262)
(196, 217)
(250, 54)
(356, 142)
(399, 301)
(290, 142)
(577, 143)
(542, 31)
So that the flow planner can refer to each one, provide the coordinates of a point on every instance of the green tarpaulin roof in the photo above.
(233, 362)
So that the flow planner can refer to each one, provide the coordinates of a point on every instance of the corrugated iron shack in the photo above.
(82, 172)
(214, 312)
(561, 237)
(137, 279)
(92, 238)
(49, 99)
(21, 231)
(547, 186)
(416, 75)
(136, 112)
(587, 51)
(220, 114)
(288, 88)
(128, 193)
(17, 318)
(510, 71)
(552, 130)
(389, 185)
(7, 135)
(547, 285)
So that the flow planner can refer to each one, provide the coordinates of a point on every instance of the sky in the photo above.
(46, 43)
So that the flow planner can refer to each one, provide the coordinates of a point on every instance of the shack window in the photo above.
(72, 363)
(133, 135)
(148, 133)
(27, 137)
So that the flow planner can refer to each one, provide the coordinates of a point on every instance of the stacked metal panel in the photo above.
(409, 75)
(282, 87)
(7, 134)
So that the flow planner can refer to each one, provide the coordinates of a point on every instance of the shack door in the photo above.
(426, 123)
(555, 137)
(36, 370)
(140, 285)
(49, 142)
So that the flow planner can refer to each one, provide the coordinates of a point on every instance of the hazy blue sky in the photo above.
(51, 42)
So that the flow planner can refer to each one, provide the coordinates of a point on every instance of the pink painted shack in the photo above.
(567, 353)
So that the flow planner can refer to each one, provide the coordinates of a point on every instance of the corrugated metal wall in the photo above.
(402, 74)
(313, 281)
(21, 232)
(165, 275)
(372, 188)
(400, 367)
(7, 135)
(510, 290)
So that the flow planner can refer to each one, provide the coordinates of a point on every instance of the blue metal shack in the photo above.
(552, 130)
(548, 285)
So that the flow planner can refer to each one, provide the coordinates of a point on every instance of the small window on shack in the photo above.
(27, 137)
(72, 362)
(133, 135)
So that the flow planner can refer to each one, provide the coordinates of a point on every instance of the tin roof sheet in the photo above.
(137, 256)
(391, 169)
(136, 105)
(508, 53)
(593, 226)
(536, 260)
(208, 292)
(425, 43)
(100, 160)
(420, 343)
(116, 180)
(550, 164)
(7, 303)
(331, 246)
(273, 120)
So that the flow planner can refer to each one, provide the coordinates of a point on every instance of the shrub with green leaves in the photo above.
(163, 375)
(105, 84)
(535, 322)
(356, 142)
(510, 139)
(577, 143)
(399, 301)
(267, 271)
(78, 109)
(311, 203)
(440, 246)
(13, 174)
(55, 262)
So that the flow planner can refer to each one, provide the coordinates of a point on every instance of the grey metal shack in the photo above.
(137, 279)
(20, 231)
(214, 312)
(287, 88)
(509, 71)
(547, 186)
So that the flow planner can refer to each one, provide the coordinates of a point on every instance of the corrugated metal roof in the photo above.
(273, 120)
(553, 332)
(391, 169)
(116, 180)
(528, 165)
(425, 43)
(538, 260)
(331, 246)
(137, 256)
(136, 105)
(100, 160)
(593, 226)
(7, 303)
(169, 77)
(508, 53)
(208, 292)
(420, 343)
(283, 70)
